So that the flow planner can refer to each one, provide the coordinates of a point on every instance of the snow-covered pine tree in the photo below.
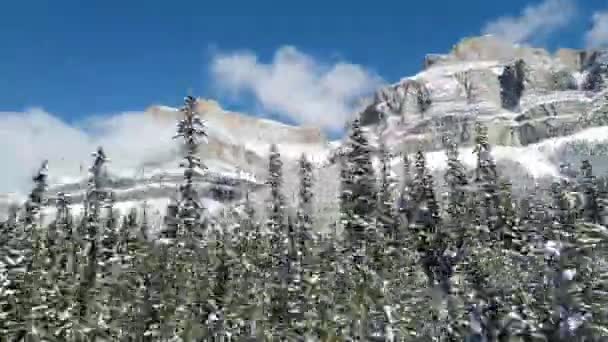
(255, 277)
(103, 230)
(381, 243)
(563, 213)
(432, 244)
(191, 128)
(359, 191)
(180, 316)
(305, 207)
(405, 203)
(455, 233)
(486, 179)
(134, 283)
(457, 182)
(591, 211)
(276, 209)
(511, 234)
(61, 229)
(89, 248)
(387, 216)
(45, 311)
(36, 198)
(277, 228)
(178, 313)
(301, 242)
(426, 219)
(134, 318)
(236, 316)
(219, 265)
(171, 221)
(168, 292)
(248, 226)
(63, 270)
(110, 232)
(96, 194)
(566, 301)
(63, 224)
(346, 195)
(109, 264)
(27, 260)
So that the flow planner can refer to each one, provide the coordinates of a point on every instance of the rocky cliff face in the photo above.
(524, 95)
(243, 141)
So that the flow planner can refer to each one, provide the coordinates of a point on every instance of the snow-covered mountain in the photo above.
(234, 154)
(537, 106)
(541, 110)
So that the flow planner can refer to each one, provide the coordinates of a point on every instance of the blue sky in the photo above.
(112, 56)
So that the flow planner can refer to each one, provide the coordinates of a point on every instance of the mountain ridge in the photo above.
(526, 96)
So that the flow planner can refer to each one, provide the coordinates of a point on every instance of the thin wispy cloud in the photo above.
(535, 22)
(294, 85)
(597, 36)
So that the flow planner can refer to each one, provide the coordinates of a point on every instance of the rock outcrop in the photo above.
(523, 94)
(241, 140)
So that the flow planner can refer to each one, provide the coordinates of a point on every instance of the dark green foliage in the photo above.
(387, 216)
(458, 197)
(591, 202)
(486, 182)
(441, 280)
(358, 187)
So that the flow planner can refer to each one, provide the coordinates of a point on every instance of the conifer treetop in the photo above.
(36, 197)
(191, 128)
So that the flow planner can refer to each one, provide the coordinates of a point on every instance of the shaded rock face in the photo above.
(512, 84)
(596, 76)
(371, 115)
(594, 58)
(410, 96)
(523, 95)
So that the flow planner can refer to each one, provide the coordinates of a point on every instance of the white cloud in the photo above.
(597, 36)
(296, 86)
(535, 21)
(26, 139)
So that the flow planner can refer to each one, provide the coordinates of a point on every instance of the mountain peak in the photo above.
(488, 48)
(203, 106)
